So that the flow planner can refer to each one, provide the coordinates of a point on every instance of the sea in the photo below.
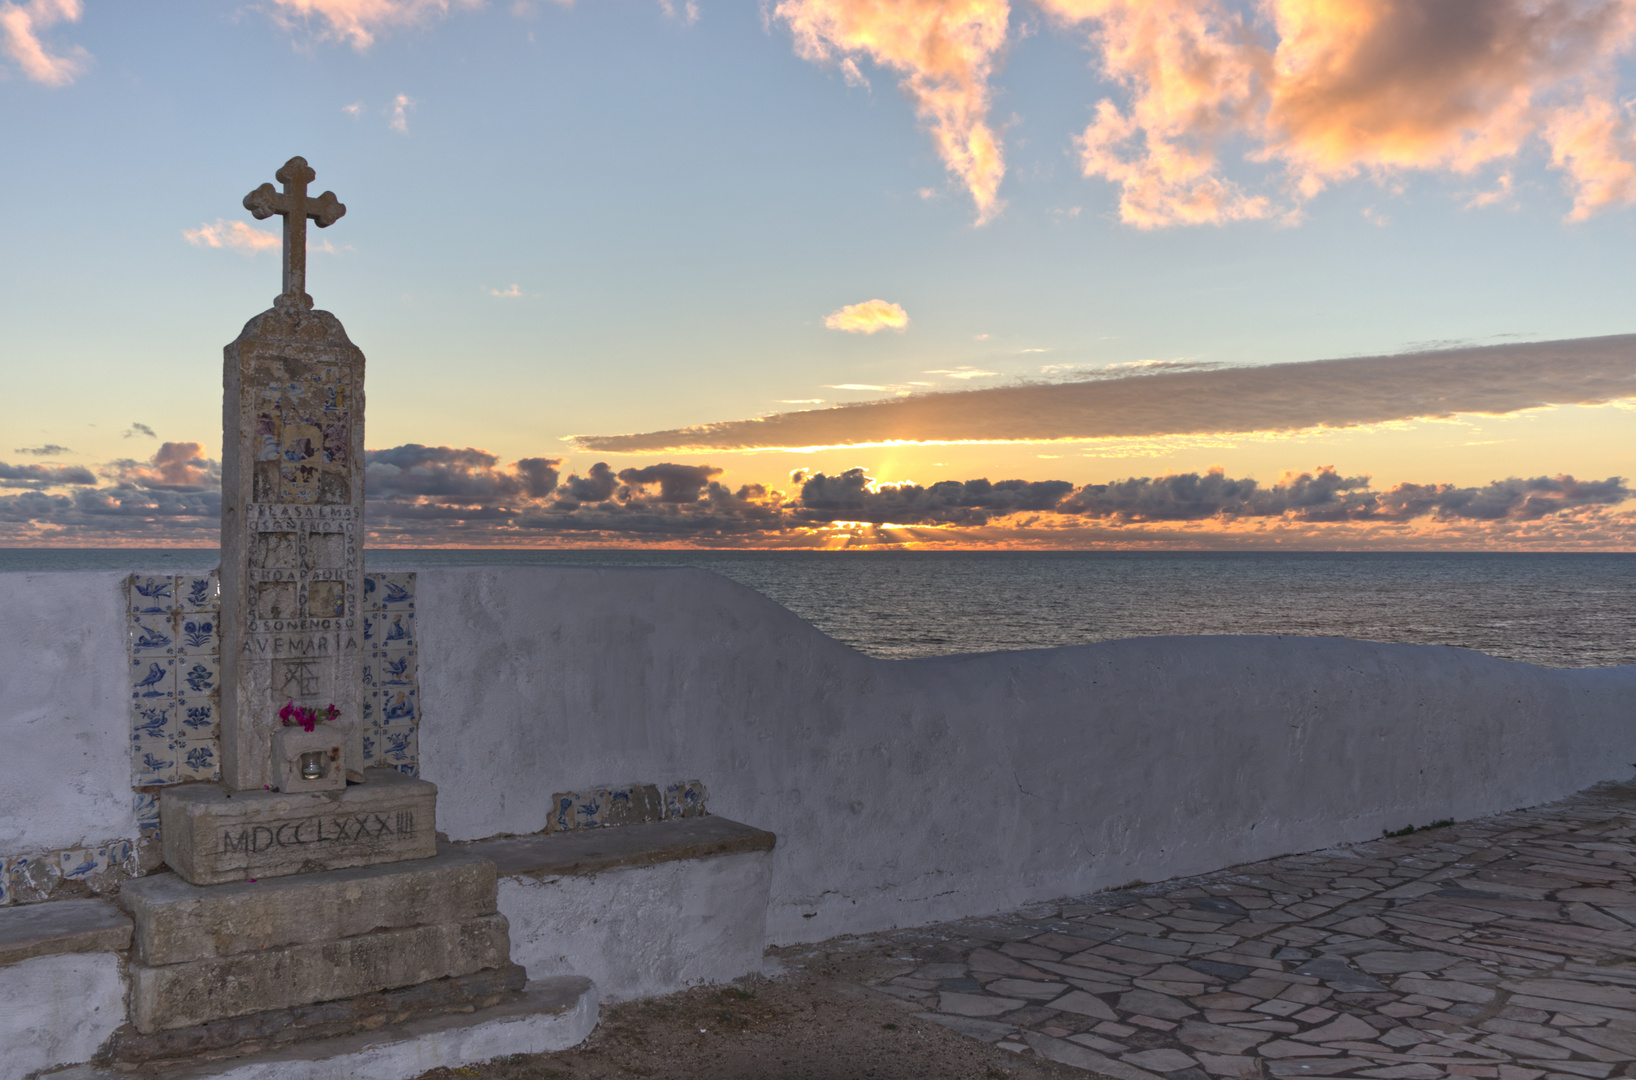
(1553, 609)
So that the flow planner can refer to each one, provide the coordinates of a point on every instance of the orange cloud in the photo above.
(20, 26)
(946, 50)
(175, 466)
(358, 21)
(1324, 90)
(233, 234)
(867, 318)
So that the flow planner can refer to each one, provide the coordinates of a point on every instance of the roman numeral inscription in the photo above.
(355, 829)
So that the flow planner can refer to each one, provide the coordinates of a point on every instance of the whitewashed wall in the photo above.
(902, 792)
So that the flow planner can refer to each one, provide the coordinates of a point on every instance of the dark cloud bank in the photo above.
(433, 495)
(1493, 379)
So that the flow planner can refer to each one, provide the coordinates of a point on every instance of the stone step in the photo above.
(199, 991)
(62, 926)
(282, 1027)
(550, 1014)
(178, 922)
(212, 836)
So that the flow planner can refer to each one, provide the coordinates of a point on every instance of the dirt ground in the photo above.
(815, 1021)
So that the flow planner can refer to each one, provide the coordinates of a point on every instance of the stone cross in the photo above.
(294, 628)
(296, 208)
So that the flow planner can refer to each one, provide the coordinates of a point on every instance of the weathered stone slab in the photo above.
(281, 1027)
(211, 836)
(591, 851)
(177, 921)
(62, 926)
(182, 995)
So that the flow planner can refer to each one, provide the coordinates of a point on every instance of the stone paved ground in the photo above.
(1502, 948)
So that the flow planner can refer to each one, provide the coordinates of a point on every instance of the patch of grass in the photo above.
(742, 995)
(1408, 829)
(890, 1027)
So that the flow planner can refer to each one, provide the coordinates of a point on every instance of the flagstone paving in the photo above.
(1502, 948)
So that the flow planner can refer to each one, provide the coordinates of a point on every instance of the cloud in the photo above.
(946, 51)
(400, 113)
(868, 317)
(48, 450)
(175, 466)
(1325, 90)
(852, 496)
(677, 483)
(1492, 380)
(512, 293)
(358, 21)
(1326, 496)
(139, 428)
(688, 13)
(20, 27)
(235, 235)
(965, 371)
(355, 110)
(43, 476)
(444, 474)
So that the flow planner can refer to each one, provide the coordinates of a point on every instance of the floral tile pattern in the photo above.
(173, 638)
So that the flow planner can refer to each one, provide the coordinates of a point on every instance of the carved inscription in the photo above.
(352, 829)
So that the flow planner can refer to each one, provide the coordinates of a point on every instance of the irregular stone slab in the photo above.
(177, 921)
(62, 926)
(181, 995)
(1229, 1065)
(1396, 963)
(1084, 1004)
(986, 1030)
(1081, 1057)
(1219, 1039)
(1149, 1003)
(976, 1004)
(1343, 1027)
(1340, 975)
(551, 1014)
(1025, 988)
(1445, 988)
(1615, 997)
(211, 837)
(1162, 1060)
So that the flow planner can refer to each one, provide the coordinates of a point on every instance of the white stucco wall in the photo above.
(905, 792)
(902, 792)
(643, 931)
(65, 733)
(57, 1010)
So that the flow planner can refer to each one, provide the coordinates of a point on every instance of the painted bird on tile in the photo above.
(156, 675)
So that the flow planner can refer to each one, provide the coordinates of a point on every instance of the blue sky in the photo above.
(601, 218)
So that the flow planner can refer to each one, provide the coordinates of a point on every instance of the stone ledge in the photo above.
(550, 1014)
(177, 921)
(591, 851)
(282, 1027)
(62, 926)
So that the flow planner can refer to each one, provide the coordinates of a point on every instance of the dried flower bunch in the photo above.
(307, 719)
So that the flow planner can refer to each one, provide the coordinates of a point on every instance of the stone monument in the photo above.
(293, 797)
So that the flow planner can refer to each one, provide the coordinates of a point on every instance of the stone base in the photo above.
(212, 836)
(282, 1027)
(180, 995)
(549, 1015)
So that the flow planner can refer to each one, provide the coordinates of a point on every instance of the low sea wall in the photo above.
(902, 791)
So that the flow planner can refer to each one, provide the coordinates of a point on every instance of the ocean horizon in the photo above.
(1554, 609)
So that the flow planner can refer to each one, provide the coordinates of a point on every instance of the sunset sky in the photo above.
(1083, 273)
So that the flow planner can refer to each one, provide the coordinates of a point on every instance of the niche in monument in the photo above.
(292, 505)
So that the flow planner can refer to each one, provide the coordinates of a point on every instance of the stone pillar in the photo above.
(292, 514)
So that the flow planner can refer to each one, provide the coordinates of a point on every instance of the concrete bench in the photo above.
(61, 990)
(641, 910)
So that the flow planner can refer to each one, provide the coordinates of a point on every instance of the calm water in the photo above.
(1552, 609)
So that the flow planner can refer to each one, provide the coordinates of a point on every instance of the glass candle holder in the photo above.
(312, 765)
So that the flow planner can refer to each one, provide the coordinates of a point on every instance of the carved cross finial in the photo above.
(296, 208)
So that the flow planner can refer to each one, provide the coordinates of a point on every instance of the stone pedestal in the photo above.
(212, 836)
(324, 746)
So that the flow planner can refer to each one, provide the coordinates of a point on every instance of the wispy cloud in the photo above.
(43, 476)
(1494, 379)
(965, 371)
(48, 450)
(687, 13)
(20, 29)
(139, 428)
(236, 235)
(868, 317)
(946, 52)
(355, 110)
(511, 292)
(356, 22)
(400, 113)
